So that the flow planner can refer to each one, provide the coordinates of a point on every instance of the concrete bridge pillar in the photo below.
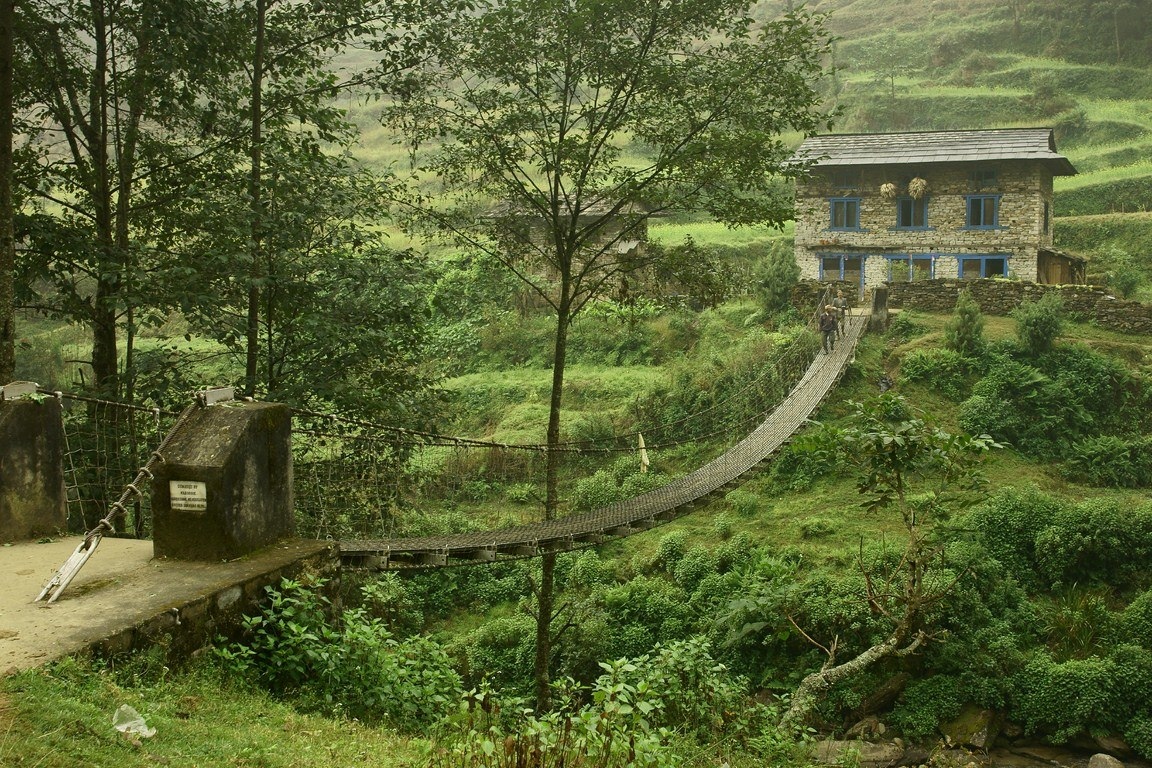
(224, 488)
(32, 495)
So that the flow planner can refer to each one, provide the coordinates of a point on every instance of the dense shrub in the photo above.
(1063, 699)
(810, 455)
(641, 712)
(904, 327)
(1096, 540)
(350, 663)
(697, 563)
(1135, 625)
(743, 503)
(1110, 461)
(645, 611)
(1017, 404)
(1043, 542)
(1007, 525)
(964, 332)
(925, 703)
(944, 369)
(608, 486)
(502, 650)
(1040, 323)
(1099, 386)
(1093, 695)
(775, 275)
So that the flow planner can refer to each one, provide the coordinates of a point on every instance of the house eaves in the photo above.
(921, 147)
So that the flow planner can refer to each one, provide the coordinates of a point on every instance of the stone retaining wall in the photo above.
(1000, 297)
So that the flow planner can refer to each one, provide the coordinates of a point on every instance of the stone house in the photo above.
(933, 204)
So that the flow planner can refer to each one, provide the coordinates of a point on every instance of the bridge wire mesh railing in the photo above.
(356, 478)
(105, 444)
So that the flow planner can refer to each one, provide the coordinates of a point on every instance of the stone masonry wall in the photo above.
(1000, 297)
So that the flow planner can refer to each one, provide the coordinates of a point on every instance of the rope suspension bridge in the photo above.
(349, 475)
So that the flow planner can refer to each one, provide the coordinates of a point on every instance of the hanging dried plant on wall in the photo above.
(917, 188)
(888, 190)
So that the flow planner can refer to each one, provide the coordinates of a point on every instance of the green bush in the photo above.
(1135, 625)
(587, 570)
(644, 612)
(1017, 404)
(502, 650)
(1077, 622)
(926, 703)
(943, 369)
(1062, 700)
(1040, 323)
(964, 331)
(1110, 461)
(521, 493)
(596, 491)
(640, 712)
(775, 276)
(1007, 525)
(1138, 734)
(351, 665)
(1097, 540)
(810, 455)
(1065, 699)
(671, 548)
(697, 563)
(903, 326)
(743, 503)
(817, 528)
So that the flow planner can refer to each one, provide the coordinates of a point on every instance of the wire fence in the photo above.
(105, 444)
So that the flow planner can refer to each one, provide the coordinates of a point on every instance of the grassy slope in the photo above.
(62, 718)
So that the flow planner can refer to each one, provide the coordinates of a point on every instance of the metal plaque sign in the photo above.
(188, 496)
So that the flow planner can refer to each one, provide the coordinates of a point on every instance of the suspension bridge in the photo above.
(630, 516)
(200, 592)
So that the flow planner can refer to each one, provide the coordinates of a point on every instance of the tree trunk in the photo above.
(129, 137)
(104, 303)
(544, 592)
(256, 265)
(815, 685)
(7, 237)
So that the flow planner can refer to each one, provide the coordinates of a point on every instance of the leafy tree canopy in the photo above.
(585, 117)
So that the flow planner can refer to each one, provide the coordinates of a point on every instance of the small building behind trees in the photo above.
(935, 204)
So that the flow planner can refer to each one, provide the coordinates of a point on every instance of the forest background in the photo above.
(1052, 611)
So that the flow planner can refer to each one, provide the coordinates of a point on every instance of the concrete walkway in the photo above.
(125, 599)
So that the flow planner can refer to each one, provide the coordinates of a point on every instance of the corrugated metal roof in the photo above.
(936, 147)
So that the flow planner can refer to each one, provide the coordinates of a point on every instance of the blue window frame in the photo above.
(842, 266)
(911, 213)
(983, 212)
(844, 213)
(910, 266)
(974, 267)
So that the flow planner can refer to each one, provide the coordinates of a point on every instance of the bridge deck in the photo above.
(631, 515)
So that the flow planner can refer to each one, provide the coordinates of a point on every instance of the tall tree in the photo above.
(279, 103)
(115, 87)
(564, 125)
(7, 235)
